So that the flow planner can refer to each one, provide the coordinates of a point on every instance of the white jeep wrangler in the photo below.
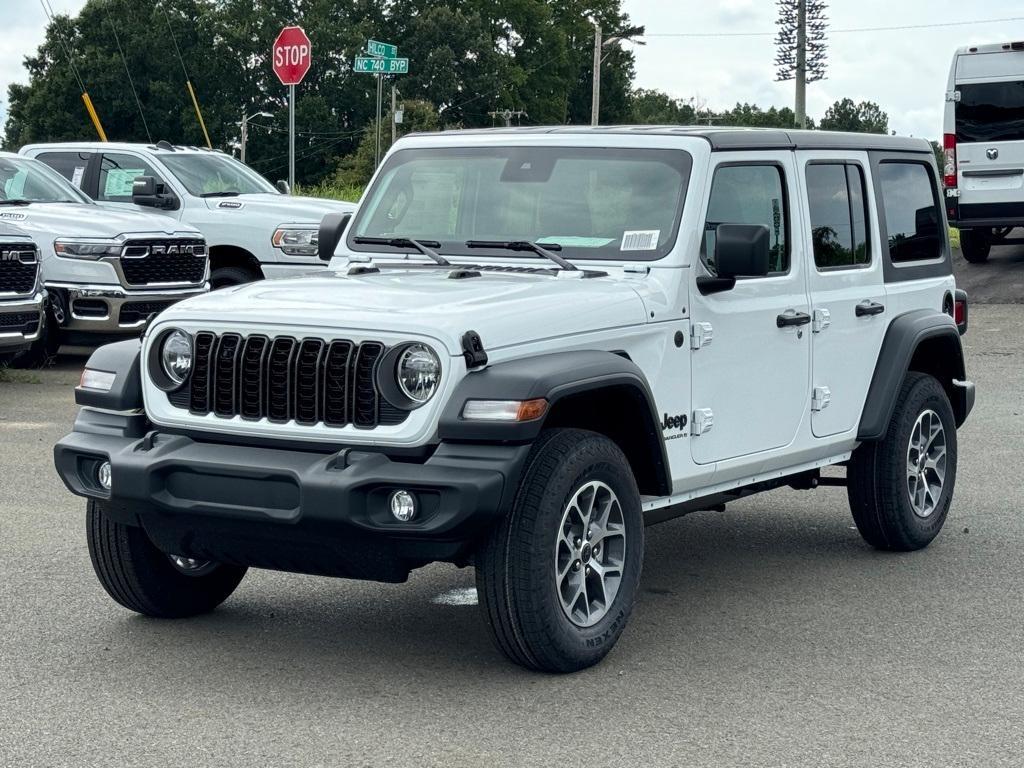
(530, 345)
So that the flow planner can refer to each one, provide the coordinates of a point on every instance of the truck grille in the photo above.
(309, 381)
(151, 262)
(19, 322)
(18, 267)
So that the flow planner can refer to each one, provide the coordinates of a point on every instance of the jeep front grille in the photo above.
(163, 261)
(308, 381)
(18, 267)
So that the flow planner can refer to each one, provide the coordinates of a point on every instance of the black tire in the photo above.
(877, 476)
(975, 245)
(143, 579)
(515, 568)
(226, 277)
(43, 351)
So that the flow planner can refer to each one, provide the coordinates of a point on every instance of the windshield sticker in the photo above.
(640, 240)
(230, 204)
(12, 216)
(120, 180)
(76, 176)
(577, 242)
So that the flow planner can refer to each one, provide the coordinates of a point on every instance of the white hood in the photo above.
(280, 209)
(504, 308)
(49, 221)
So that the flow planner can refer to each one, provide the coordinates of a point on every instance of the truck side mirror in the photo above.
(741, 250)
(282, 186)
(147, 192)
(332, 227)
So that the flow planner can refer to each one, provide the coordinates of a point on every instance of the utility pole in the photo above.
(394, 108)
(507, 115)
(245, 128)
(380, 96)
(801, 48)
(595, 95)
(801, 63)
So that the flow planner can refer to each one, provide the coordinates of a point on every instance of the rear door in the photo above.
(849, 313)
(989, 119)
(76, 166)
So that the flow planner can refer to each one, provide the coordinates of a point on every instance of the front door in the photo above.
(752, 379)
(847, 287)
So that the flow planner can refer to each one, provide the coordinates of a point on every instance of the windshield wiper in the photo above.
(226, 193)
(526, 246)
(16, 201)
(423, 246)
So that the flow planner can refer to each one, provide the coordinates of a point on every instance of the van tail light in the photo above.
(960, 311)
(949, 160)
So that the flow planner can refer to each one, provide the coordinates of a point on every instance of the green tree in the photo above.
(751, 115)
(356, 169)
(650, 107)
(865, 117)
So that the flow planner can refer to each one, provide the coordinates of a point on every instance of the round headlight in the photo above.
(176, 356)
(418, 372)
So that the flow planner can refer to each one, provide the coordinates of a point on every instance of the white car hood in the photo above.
(52, 220)
(281, 209)
(504, 308)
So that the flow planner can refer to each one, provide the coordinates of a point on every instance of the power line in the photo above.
(128, 72)
(52, 18)
(188, 80)
(849, 30)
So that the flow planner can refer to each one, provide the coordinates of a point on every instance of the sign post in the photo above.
(292, 56)
(381, 59)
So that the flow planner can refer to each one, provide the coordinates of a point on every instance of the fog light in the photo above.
(403, 506)
(103, 475)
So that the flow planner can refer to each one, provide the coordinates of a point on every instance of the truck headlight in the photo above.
(86, 249)
(296, 241)
(176, 356)
(418, 373)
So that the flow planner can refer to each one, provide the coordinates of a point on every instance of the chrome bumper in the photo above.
(29, 306)
(99, 308)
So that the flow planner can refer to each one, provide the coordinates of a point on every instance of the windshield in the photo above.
(23, 179)
(990, 112)
(211, 174)
(596, 203)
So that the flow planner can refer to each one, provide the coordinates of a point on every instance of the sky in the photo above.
(903, 71)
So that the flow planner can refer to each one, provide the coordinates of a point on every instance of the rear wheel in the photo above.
(975, 244)
(145, 580)
(900, 487)
(558, 577)
(226, 277)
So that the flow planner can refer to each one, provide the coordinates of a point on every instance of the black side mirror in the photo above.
(741, 250)
(282, 186)
(146, 191)
(332, 227)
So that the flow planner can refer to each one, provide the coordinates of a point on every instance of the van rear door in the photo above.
(990, 132)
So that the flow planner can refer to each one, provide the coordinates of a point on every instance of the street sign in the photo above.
(292, 55)
(381, 50)
(366, 65)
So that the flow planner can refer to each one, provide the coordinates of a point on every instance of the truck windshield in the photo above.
(31, 181)
(596, 203)
(212, 174)
(990, 112)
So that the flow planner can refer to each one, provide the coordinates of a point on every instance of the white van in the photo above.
(983, 139)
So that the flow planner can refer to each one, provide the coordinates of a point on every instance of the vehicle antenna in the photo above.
(188, 81)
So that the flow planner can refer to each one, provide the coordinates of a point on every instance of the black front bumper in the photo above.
(307, 512)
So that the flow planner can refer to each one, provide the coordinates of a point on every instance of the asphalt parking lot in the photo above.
(767, 635)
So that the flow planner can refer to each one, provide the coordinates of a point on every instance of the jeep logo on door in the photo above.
(992, 153)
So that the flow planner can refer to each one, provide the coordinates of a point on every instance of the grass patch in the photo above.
(954, 237)
(15, 376)
(350, 193)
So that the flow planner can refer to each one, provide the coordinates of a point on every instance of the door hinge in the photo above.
(952, 95)
(702, 422)
(473, 350)
(820, 320)
(701, 334)
(820, 399)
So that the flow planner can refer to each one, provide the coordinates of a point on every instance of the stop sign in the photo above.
(292, 54)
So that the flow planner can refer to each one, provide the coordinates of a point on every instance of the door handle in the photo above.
(789, 319)
(869, 308)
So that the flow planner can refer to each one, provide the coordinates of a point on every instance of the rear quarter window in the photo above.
(912, 216)
(70, 165)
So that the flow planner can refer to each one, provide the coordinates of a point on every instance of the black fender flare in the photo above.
(123, 359)
(902, 338)
(553, 376)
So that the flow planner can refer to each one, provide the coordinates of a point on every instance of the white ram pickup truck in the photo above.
(22, 297)
(253, 229)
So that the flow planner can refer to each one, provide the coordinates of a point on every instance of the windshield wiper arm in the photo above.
(16, 201)
(225, 193)
(526, 246)
(426, 247)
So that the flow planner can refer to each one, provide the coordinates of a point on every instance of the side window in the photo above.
(912, 216)
(835, 197)
(748, 194)
(117, 174)
(70, 165)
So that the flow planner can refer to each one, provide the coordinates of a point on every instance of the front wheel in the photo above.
(228, 277)
(975, 244)
(145, 580)
(900, 487)
(558, 577)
